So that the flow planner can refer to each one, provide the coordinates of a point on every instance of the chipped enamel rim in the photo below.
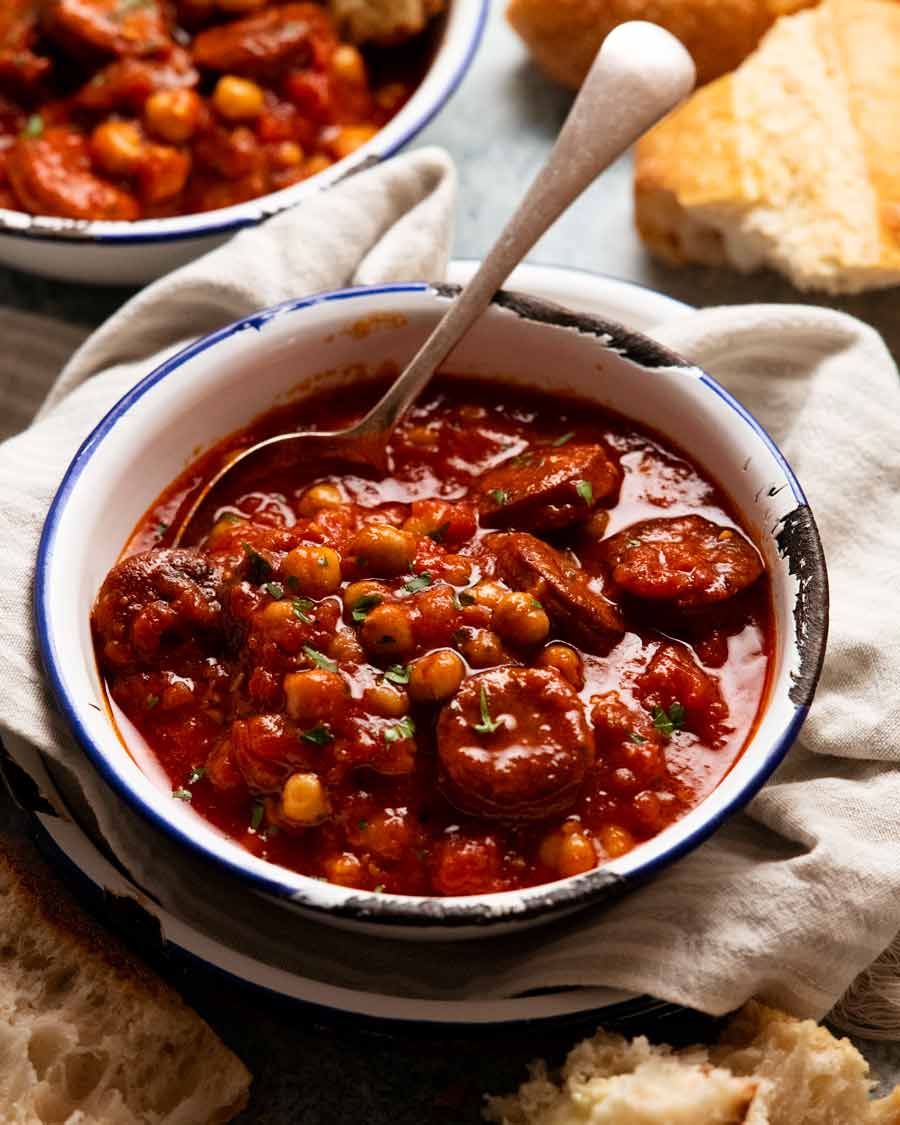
(460, 37)
(790, 543)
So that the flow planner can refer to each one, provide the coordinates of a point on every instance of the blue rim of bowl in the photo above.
(79, 231)
(396, 910)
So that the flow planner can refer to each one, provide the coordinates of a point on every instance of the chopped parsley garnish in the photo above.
(196, 773)
(256, 816)
(419, 582)
(320, 659)
(632, 542)
(500, 495)
(397, 674)
(406, 728)
(151, 701)
(439, 533)
(362, 824)
(182, 794)
(365, 605)
(378, 888)
(524, 460)
(667, 722)
(322, 560)
(585, 491)
(161, 529)
(319, 735)
(258, 568)
(562, 440)
(300, 606)
(293, 583)
(535, 604)
(633, 736)
(274, 590)
(487, 724)
(34, 126)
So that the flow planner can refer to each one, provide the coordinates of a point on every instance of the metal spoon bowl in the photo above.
(640, 73)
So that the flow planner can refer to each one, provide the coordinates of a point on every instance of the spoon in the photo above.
(640, 73)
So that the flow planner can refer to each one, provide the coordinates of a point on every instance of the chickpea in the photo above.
(348, 66)
(456, 569)
(173, 115)
(383, 549)
(314, 694)
(566, 661)
(568, 851)
(287, 154)
(304, 800)
(316, 569)
(489, 594)
(118, 147)
(345, 647)
(319, 496)
(238, 99)
(435, 677)
(316, 164)
(387, 631)
(616, 840)
(275, 615)
(386, 700)
(348, 138)
(365, 591)
(482, 648)
(223, 527)
(345, 870)
(521, 619)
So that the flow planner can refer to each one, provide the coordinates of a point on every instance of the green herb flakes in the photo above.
(397, 674)
(319, 735)
(632, 543)
(362, 824)
(500, 496)
(300, 607)
(151, 701)
(419, 582)
(320, 659)
(258, 568)
(406, 728)
(633, 736)
(667, 722)
(274, 590)
(196, 773)
(256, 816)
(379, 888)
(585, 491)
(34, 127)
(563, 440)
(487, 724)
(182, 794)
(365, 605)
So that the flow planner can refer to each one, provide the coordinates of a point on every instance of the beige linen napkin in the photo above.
(792, 899)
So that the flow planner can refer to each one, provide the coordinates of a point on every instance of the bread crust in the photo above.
(73, 1000)
(790, 162)
(564, 35)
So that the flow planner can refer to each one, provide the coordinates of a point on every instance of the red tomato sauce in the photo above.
(137, 109)
(541, 639)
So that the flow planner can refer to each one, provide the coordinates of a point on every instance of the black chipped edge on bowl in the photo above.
(798, 542)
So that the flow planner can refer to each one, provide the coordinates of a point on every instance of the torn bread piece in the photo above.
(790, 162)
(87, 1033)
(767, 1069)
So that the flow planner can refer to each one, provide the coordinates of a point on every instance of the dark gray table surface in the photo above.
(498, 127)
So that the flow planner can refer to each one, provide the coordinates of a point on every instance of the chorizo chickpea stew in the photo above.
(547, 648)
(121, 110)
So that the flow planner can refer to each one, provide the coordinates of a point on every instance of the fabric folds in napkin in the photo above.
(790, 900)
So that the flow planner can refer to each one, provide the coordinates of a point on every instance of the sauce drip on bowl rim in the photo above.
(539, 640)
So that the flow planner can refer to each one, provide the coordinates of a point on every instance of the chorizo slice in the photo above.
(51, 175)
(263, 44)
(127, 83)
(569, 596)
(686, 560)
(109, 27)
(19, 64)
(160, 593)
(514, 743)
(679, 693)
(547, 489)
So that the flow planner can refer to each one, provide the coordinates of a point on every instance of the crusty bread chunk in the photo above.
(383, 22)
(790, 162)
(608, 1080)
(564, 35)
(767, 1069)
(88, 1036)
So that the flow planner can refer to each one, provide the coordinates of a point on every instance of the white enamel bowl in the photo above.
(118, 253)
(218, 384)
